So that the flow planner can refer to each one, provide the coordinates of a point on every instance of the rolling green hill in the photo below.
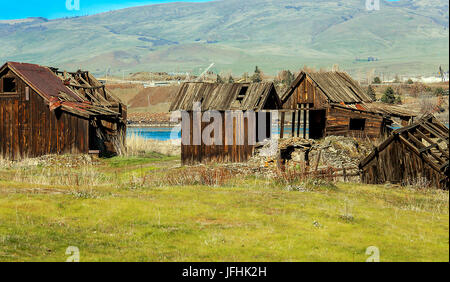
(407, 37)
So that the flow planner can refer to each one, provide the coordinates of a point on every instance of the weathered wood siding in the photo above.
(191, 154)
(397, 164)
(306, 93)
(338, 123)
(29, 129)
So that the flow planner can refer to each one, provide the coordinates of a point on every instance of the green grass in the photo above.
(250, 219)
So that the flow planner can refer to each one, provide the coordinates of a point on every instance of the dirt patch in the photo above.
(149, 119)
(151, 96)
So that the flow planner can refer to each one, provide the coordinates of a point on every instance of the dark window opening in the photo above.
(357, 124)
(242, 93)
(9, 85)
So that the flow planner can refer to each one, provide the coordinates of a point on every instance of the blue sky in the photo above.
(51, 9)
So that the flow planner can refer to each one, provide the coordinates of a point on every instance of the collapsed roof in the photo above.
(76, 92)
(428, 139)
(226, 96)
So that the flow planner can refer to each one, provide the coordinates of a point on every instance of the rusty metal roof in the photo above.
(379, 108)
(76, 92)
(227, 96)
(42, 79)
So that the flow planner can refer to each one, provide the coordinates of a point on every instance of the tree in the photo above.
(371, 93)
(245, 77)
(285, 77)
(388, 96)
(410, 81)
(231, 79)
(219, 79)
(256, 77)
(376, 80)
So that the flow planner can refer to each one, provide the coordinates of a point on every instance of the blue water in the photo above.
(151, 133)
(164, 133)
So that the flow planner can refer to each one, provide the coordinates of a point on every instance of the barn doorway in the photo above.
(317, 120)
(93, 139)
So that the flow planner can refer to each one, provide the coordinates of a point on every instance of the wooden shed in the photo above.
(413, 153)
(47, 111)
(332, 103)
(225, 98)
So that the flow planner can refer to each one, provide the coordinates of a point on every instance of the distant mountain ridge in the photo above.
(408, 36)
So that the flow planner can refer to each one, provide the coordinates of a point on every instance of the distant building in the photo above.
(47, 111)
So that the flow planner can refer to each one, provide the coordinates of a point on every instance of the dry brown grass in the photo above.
(138, 146)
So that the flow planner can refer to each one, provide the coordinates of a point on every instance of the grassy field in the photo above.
(151, 209)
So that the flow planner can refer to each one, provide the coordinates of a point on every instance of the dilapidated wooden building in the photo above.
(47, 111)
(415, 153)
(332, 103)
(239, 98)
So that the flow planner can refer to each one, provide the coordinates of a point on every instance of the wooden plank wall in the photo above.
(192, 154)
(397, 164)
(338, 121)
(29, 129)
(306, 93)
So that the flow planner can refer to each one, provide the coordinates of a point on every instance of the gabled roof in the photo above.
(226, 96)
(79, 93)
(428, 138)
(42, 79)
(338, 87)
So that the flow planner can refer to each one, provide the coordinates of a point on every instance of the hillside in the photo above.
(408, 37)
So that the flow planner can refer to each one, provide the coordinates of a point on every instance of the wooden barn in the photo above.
(236, 146)
(332, 103)
(47, 111)
(413, 153)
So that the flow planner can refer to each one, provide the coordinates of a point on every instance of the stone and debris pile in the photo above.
(332, 151)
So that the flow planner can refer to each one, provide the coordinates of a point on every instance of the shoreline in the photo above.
(149, 125)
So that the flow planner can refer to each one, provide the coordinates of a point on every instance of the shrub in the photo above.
(439, 91)
(376, 80)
